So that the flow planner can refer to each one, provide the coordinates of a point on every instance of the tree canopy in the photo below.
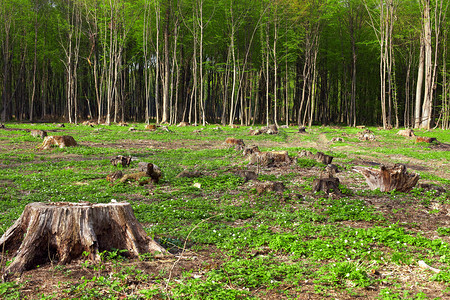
(300, 62)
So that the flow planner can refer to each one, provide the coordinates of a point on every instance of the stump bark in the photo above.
(62, 231)
(389, 179)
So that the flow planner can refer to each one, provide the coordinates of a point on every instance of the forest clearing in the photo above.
(237, 224)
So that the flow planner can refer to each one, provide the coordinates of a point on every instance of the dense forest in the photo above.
(300, 62)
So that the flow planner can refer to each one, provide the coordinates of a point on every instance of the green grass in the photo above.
(270, 243)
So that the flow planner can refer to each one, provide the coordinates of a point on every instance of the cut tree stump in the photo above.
(121, 160)
(327, 185)
(62, 231)
(389, 179)
(61, 141)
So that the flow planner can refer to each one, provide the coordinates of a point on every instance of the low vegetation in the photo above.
(228, 240)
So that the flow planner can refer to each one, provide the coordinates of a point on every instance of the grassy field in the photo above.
(228, 241)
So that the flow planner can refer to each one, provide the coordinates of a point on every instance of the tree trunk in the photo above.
(389, 179)
(427, 100)
(417, 114)
(64, 231)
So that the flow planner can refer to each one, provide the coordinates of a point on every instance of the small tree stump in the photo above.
(424, 139)
(38, 133)
(270, 186)
(366, 135)
(270, 159)
(121, 160)
(389, 179)
(63, 231)
(237, 143)
(406, 132)
(328, 185)
(151, 127)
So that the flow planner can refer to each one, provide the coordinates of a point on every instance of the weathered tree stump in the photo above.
(237, 143)
(406, 132)
(270, 186)
(319, 156)
(64, 231)
(270, 159)
(366, 135)
(151, 127)
(61, 141)
(424, 139)
(121, 160)
(38, 133)
(389, 179)
(327, 185)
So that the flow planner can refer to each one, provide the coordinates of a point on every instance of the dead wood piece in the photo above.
(122, 124)
(323, 158)
(183, 124)
(38, 133)
(151, 170)
(151, 127)
(132, 129)
(59, 140)
(189, 174)
(406, 132)
(247, 175)
(63, 231)
(271, 186)
(234, 126)
(2, 125)
(425, 139)
(302, 129)
(424, 265)
(361, 126)
(250, 150)
(327, 185)
(366, 135)
(60, 125)
(114, 176)
(124, 161)
(389, 179)
(270, 159)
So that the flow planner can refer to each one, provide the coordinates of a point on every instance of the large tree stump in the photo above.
(63, 231)
(389, 179)
(61, 141)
